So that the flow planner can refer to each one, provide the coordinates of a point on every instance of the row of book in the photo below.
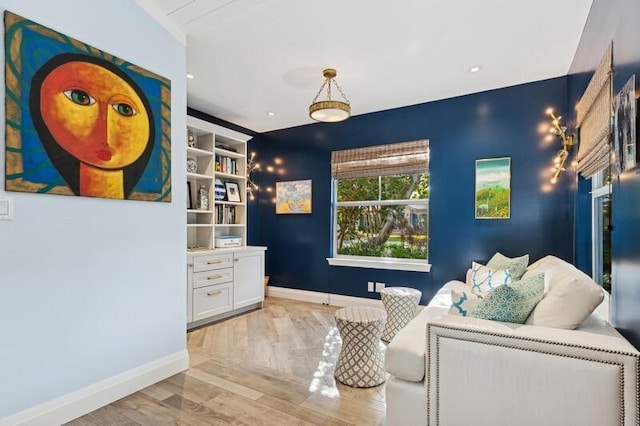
(226, 165)
(225, 215)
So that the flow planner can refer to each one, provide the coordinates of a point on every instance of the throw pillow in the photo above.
(482, 278)
(464, 302)
(517, 265)
(512, 303)
(570, 295)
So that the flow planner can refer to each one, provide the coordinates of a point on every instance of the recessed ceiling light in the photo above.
(271, 113)
(475, 68)
(190, 76)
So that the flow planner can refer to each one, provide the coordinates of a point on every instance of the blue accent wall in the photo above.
(508, 122)
(615, 20)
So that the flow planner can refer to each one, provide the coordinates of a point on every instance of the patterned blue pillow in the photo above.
(464, 302)
(483, 278)
(517, 265)
(513, 302)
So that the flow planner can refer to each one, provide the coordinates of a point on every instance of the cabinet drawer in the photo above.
(216, 276)
(212, 300)
(212, 261)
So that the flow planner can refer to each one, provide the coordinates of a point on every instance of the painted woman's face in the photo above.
(95, 115)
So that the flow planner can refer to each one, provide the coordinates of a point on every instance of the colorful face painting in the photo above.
(82, 122)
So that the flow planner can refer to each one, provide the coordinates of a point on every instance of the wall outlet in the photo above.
(370, 286)
(379, 286)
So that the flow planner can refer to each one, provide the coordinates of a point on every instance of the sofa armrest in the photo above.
(486, 372)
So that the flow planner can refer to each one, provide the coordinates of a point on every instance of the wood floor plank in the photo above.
(224, 384)
(210, 416)
(345, 410)
(272, 367)
(107, 415)
(148, 412)
(301, 412)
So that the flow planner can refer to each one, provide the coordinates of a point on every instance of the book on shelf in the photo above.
(225, 215)
(226, 165)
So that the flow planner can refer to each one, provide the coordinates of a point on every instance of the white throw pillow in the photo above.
(463, 303)
(483, 279)
(570, 295)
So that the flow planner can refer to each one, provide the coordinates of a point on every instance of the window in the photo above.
(601, 229)
(381, 206)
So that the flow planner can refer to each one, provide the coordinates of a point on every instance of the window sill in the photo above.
(392, 264)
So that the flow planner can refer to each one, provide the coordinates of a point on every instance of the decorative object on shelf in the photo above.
(293, 197)
(191, 139)
(192, 165)
(203, 198)
(45, 124)
(189, 199)
(219, 190)
(560, 159)
(493, 188)
(329, 110)
(233, 192)
(252, 165)
(625, 127)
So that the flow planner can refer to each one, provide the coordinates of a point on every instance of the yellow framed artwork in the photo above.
(293, 197)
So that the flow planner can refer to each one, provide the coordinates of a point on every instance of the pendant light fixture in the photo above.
(329, 110)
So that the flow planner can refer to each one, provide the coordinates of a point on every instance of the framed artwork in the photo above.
(233, 191)
(624, 134)
(189, 196)
(80, 121)
(293, 197)
(493, 188)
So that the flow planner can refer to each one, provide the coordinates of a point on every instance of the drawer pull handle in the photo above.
(214, 262)
(214, 293)
(214, 277)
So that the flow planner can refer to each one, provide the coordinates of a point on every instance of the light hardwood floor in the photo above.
(268, 367)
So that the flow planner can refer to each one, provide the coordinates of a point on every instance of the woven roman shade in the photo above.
(404, 158)
(594, 119)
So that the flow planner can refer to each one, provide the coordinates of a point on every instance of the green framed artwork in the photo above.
(80, 121)
(493, 188)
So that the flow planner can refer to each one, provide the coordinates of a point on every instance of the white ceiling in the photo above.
(250, 57)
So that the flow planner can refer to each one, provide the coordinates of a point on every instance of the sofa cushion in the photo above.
(517, 265)
(404, 358)
(464, 302)
(483, 278)
(570, 295)
(513, 302)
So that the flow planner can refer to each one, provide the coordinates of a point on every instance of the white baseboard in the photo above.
(326, 298)
(90, 398)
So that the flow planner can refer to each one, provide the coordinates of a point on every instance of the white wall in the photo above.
(92, 288)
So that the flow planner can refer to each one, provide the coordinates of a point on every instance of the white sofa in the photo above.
(481, 372)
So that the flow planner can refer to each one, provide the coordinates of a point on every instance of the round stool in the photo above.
(400, 304)
(360, 363)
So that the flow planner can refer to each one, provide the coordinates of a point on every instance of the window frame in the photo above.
(390, 263)
(599, 190)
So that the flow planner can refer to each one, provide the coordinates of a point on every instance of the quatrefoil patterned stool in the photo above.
(361, 362)
(400, 304)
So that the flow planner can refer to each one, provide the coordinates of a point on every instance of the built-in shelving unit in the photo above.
(221, 155)
(221, 282)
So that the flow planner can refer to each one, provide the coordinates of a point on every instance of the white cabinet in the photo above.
(223, 282)
(248, 276)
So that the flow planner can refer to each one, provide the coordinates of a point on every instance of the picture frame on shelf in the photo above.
(233, 191)
(189, 199)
